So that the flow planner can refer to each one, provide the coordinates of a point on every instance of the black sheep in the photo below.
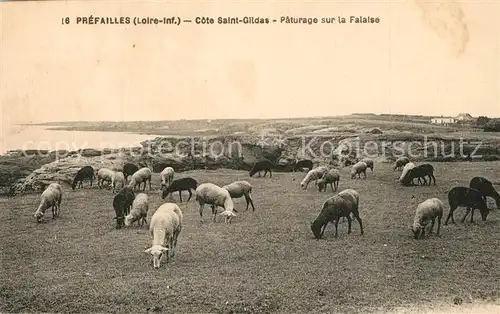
(129, 169)
(486, 188)
(184, 184)
(467, 197)
(122, 203)
(422, 171)
(85, 173)
(305, 163)
(261, 165)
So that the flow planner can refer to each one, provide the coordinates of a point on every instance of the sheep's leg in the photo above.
(472, 216)
(434, 178)
(439, 224)
(180, 195)
(349, 221)
(337, 227)
(149, 184)
(450, 215)
(260, 175)
(423, 233)
(432, 225)
(331, 185)
(214, 212)
(201, 211)
(190, 194)
(251, 203)
(466, 214)
(425, 181)
(364, 173)
(356, 215)
(323, 230)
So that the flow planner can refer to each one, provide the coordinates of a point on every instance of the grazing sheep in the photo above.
(486, 188)
(313, 175)
(406, 168)
(184, 184)
(209, 193)
(118, 178)
(51, 197)
(358, 169)
(238, 189)
(167, 175)
(129, 169)
(299, 165)
(421, 171)
(261, 165)
(400, 163)
(165, 227)
(331, 177)
(140, 176)
(122, 203)
(467, 197)
(104, 174)
(368, 162)
(343, 204)
(426, 211)
(85, 173)
(139, 210)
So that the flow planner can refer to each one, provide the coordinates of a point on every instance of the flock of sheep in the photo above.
(166, 222)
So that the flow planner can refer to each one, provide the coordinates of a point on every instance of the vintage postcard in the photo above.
(250, 157)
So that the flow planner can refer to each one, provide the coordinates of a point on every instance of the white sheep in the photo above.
(400, 163)
(428, 210)
(344, 204)
(140, 176)
(118, 178)
(51, 197)
(139, 210)
(368, 162)
(406, 168)
(313, 175)
(104, 174)
(167, 175)
(238, 189)
(358, 169)
(331, 177)
(209, 193)
(165, 227)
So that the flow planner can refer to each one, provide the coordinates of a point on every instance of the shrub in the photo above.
(492, 126)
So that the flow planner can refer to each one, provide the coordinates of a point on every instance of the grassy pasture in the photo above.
(264, 262)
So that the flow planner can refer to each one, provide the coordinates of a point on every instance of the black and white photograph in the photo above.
(250, 157)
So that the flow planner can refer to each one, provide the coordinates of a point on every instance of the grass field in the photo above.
(264, 262)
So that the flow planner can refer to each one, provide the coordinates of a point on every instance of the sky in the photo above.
(422, 58)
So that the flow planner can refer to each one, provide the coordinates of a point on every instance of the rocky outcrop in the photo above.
(232, 152)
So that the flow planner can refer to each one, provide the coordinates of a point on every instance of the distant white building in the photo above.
(444, 120)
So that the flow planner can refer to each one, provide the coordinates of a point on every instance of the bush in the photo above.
(491, 158)
(492, 126)
(482, 120)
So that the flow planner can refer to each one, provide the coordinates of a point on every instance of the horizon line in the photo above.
(264, 118)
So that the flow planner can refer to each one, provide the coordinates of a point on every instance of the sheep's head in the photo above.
(416, 229)
(129, 219)
(157, 252)
(38, 216)
(321, 184)
(252, 172)
(484, 212)
(316, 229)
(353, 173)
(228, 215)
(119, 222)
